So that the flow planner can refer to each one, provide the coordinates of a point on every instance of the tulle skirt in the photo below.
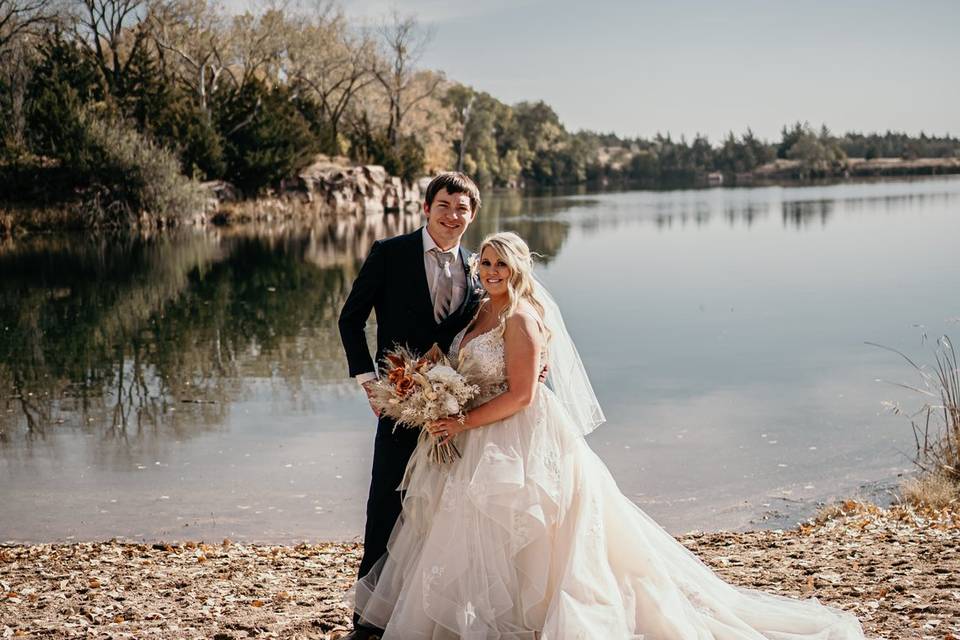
(528, 536)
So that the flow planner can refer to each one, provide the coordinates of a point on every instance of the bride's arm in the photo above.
(521, 343)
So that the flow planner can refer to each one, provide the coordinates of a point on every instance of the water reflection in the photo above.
(803, 213)
(129, 364)
(129, 336)
(800, 207)
(152, 337)
(136, 337)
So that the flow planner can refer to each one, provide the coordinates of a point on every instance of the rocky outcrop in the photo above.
(353, 189)
(329, 186)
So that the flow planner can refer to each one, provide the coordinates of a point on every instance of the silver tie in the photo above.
(444, 296)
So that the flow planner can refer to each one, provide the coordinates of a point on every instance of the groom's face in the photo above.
(448, 217)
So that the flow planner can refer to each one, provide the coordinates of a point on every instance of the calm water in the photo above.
(194, 387)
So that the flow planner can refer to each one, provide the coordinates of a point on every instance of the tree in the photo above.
(22, 17)
(22, 23)
(459, 99)
(816, 153)
(192, 38)
(402, 44)
(257, 44)
(267, 138)
(789, 137)
(332, 64)
(64, 79)
(114, 31)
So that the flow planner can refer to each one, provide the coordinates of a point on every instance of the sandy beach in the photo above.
(897, 569)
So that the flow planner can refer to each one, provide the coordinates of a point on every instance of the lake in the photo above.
(192, 386)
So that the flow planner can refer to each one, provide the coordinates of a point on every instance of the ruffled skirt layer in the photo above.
(528, 536)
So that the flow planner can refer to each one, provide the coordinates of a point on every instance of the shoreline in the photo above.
(326, 191)
(896, 568)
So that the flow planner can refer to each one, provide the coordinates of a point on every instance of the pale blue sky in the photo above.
(638, 67)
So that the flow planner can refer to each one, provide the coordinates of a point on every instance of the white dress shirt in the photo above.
(432, 269)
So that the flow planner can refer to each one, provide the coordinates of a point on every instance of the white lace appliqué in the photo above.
(430, 580)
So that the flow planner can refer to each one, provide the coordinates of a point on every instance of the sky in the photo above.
(638, 67)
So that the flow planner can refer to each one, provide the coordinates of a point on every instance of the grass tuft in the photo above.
(933, 490)
(936, 424)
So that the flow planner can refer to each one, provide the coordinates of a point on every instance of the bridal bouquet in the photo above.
(417, 390)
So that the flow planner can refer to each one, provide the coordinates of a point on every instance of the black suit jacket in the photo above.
(393, 283)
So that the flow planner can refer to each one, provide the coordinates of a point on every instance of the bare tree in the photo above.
(257, 46)
(403, 42)
(195, 35)
(115, 32)
(17, 70)
(19, 17)
(21, 23)
(330, 62)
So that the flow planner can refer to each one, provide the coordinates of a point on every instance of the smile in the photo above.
(450, 225)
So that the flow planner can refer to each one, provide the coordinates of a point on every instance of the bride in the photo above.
(527, 536)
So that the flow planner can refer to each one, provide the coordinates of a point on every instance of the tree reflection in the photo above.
(802, 213)
(529, 217)
(135, 338)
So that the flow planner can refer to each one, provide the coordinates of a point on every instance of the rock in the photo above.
(326, 186)
(222, 190)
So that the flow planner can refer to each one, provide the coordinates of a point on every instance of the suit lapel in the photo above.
(471, 283)
(470, 294)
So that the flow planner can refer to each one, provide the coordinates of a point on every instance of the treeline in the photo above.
(116, 95)
(128, 103)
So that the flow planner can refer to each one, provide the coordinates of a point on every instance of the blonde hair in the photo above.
(520, 285)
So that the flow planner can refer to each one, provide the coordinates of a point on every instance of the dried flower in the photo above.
(418, 390)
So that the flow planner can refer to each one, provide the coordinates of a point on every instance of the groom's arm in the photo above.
(353, 317)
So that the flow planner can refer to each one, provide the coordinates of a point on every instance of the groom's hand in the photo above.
(368, 388)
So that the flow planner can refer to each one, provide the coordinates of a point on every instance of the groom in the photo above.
(421, 288)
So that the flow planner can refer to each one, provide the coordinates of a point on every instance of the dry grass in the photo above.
(934, 490)
(936, 424)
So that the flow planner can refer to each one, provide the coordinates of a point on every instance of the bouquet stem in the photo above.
(442, 453)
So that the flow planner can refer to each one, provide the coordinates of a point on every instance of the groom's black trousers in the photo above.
(391, 452)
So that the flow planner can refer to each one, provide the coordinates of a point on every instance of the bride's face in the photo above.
(494, 272)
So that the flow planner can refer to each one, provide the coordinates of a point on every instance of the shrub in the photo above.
(127, 173)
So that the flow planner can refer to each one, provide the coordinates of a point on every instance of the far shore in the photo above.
(332, 188)
(897, 569)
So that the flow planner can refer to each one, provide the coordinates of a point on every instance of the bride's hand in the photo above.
(446, 428)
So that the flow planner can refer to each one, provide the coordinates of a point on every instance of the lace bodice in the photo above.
(483, 360)
(485, 352)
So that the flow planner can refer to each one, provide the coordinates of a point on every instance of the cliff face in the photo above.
(328, 187)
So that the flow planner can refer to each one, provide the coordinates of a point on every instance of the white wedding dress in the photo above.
(528, 536)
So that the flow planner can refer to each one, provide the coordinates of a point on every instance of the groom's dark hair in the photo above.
(454, 182)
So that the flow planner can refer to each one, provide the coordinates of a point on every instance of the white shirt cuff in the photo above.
(364, 378)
